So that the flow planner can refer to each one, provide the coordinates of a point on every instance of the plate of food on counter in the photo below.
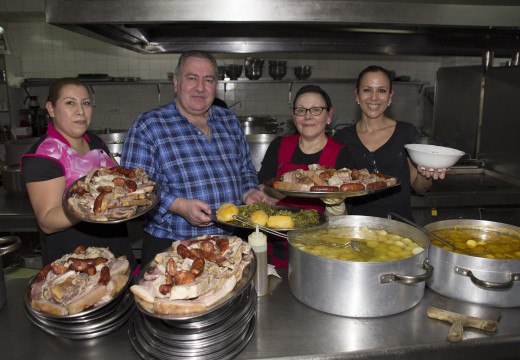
(195, 277)
(111, 195)
(281, 218)
(78, 283)
(327, 183)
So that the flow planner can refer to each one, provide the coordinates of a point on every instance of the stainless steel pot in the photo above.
(258, 145)
(114, 137)
(16, 148)
(493, 282)
(360, 289)
(8, 244)
(12, 179)
(259, 125)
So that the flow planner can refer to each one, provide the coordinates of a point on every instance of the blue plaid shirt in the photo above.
(179, 158)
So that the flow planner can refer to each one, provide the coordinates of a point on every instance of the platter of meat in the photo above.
(78, 284)
(281, 218)
(194, 277)
(111, 195)
(327, 183)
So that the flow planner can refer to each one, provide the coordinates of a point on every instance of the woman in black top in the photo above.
(376, 142)
(61, 156)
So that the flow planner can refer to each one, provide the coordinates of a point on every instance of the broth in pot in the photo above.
(359, 244)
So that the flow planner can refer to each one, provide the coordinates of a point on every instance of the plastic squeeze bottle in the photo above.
(258, 242)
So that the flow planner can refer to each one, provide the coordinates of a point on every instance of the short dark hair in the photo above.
(57, 85)
(315, 89)
(373, 68)
(198, 54)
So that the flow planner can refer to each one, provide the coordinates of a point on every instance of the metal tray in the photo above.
(279, 193)
(241, 286)
(153, 196)
(237, 224)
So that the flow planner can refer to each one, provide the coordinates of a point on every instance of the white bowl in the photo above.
(433, 156)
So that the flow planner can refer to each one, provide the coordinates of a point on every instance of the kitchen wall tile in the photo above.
(48, 51)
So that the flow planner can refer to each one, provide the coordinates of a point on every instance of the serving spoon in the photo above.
(355, 245)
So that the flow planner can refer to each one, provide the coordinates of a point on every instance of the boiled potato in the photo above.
(280, 222)
(226, 212)
(259, 217)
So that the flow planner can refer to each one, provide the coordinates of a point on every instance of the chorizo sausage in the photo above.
(42, 275)
(165, 288)
(324, 188)
(184, 252)
(197, 267)
(171, 267)
(59, 269)
(104, 275)
(352, 187)
(131, 185)
(376, 185)
(91, 270)
(222, 244)
(207, 245)
(184, 277)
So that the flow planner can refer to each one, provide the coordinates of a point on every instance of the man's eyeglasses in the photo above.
(315, 110)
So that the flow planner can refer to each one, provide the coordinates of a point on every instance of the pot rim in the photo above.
(14, 244)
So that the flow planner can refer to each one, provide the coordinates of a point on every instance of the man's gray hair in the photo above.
(197, 54)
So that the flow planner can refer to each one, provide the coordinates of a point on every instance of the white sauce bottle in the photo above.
(258, 242)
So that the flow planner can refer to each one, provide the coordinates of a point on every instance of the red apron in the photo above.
(277, 248)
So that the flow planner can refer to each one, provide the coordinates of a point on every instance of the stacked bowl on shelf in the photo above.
(302, 72)
(277, 69)
(254, 67)
(233, 71)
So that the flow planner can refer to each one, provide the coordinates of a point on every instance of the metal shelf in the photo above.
(47, 82)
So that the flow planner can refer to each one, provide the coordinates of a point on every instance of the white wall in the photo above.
(47, 51)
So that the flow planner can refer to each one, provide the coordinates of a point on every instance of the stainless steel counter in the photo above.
(285, 328)
(471, 187)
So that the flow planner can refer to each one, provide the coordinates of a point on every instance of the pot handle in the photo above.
(488, 284)
(408, 279)
(13, 243)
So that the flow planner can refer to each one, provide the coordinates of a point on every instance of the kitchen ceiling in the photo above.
(464, 28)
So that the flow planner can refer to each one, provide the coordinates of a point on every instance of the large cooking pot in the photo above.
(493, 282)
(8, 244)
(360, 289)
(114, 137)
(114, 142)
(264, 124)
(16, 148)
(12, 179)
(258, 145)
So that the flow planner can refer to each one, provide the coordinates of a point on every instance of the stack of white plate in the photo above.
(88, 324)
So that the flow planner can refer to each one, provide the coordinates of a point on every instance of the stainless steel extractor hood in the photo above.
(465, 28)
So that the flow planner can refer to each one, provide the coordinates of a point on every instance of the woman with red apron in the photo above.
(312, 112)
